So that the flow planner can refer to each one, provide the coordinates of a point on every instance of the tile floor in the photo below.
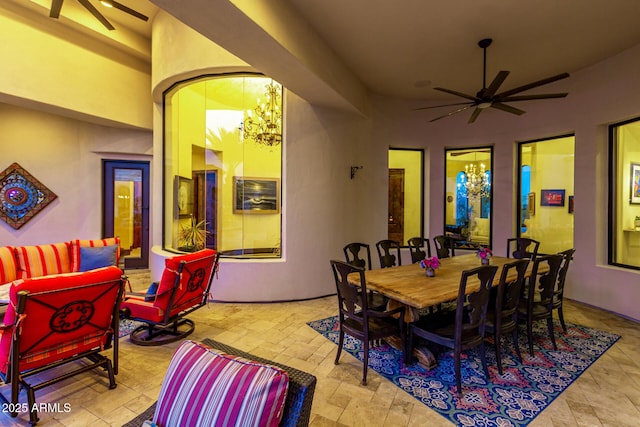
(607, 394)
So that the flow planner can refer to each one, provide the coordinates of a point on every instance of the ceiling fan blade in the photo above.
(97, 14)
(532, 85)
(456, 93)
(56, 6)
(128, 10)
(442, 105)
(507, 108)
(475, 115)
(495, 84)
(451, 113)
(530, 97)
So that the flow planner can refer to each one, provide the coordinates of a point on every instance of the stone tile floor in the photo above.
(607, 394)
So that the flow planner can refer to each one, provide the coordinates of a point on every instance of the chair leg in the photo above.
(456, 364)
(514, 334)
(365, 344)
(551, 334)
(340, 342)
(496, 339)
(408, 354)
(530, 335)
(561, 317)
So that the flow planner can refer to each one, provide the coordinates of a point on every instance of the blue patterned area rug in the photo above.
(127, 326)
(512, 399)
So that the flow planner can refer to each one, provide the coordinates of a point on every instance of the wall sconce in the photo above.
(354, 169)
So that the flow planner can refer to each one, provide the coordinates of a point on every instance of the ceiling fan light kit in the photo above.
(56, 7)
(487, 96)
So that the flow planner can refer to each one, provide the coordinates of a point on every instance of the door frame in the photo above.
(108, 179)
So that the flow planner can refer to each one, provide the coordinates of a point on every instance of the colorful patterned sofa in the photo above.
(23, 262)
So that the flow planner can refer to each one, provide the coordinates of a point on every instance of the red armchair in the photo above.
(56, 320)
(183, 288)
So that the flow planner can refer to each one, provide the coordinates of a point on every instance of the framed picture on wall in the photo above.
(183, 197)
(531, 203)
(570, 204)
(256, 195)
(635, 184)
(551, 197)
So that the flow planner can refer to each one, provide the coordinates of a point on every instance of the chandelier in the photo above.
(266, 127)
(476, 181)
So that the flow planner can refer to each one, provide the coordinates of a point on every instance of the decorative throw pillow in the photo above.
(206, 388)
(96, 257)
(43, 260)
(77, 244)
(8, 268)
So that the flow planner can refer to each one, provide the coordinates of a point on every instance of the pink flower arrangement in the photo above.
(484, 253)
(431, 262)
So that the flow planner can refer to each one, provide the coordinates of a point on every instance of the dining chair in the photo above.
(558, 295)
(417, 247)
(385, 253)
(536, 303)
(357, 319)
(444, 246)
(522, 247)
(359, 255)
(468, 327)
(503, 317)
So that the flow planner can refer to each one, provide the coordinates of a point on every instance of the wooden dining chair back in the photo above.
(358, 255)
(444, 246)
(503, 317)
(389, 253)
(468, 328)
(522, 247)
(357, 319)
(537, 302)
(567, 257)
(420, 248)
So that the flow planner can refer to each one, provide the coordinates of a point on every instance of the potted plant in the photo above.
(430, 264)
(193, 235)
(484, 254)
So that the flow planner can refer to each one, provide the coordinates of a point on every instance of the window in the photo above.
(222, 185)
(545, 192)
(624, 194)
(406, 172)
(468, 196)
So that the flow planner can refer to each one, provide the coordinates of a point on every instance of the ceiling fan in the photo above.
(56, 6)
(487, 96)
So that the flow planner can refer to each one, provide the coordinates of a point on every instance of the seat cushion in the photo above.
(77, 244)
(43, 260)
(8, 267)
(206, 388)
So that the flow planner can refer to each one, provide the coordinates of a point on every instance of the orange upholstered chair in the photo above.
(183, 288)
(54, 320)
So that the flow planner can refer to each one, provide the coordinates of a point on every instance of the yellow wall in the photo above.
(627, 239)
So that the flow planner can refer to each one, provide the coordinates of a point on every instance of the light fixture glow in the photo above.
(266, 127)
(476, 181)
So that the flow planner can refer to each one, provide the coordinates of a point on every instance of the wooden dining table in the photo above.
(410, 286)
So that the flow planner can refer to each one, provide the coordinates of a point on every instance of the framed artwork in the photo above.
(256, 195)
(551, 197)
(531, 203)
(635, 184)
(183, 197)
(22, 196)
(570, 204)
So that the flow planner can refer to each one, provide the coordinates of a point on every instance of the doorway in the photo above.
(396, 205)
(126, 209)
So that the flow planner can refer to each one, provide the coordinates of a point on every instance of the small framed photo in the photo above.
(551, 197)
(256, 195)
(531, 203)
(570, 204)
(183, 197)
(635, 184)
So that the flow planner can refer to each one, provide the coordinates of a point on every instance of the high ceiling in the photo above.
(404, 49)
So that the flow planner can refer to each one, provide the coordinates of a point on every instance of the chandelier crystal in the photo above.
(476, 181)
(264, 124)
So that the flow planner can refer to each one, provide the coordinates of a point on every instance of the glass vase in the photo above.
(430, 272)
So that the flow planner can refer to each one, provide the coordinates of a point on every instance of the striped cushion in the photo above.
(8, 268)
(43, 260)
(205, 388)
(77, 244)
